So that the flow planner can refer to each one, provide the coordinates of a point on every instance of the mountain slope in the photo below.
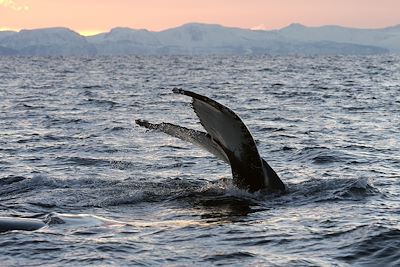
(196, 38)
(388, 38)
(47, 42)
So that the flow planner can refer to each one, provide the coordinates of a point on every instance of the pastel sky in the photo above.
(93, 16)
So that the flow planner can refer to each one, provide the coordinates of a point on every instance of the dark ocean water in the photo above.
(114, 194)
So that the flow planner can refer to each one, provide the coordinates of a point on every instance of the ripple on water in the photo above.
(381, 246)
(327, 125)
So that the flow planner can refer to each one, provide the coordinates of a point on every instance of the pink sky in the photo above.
(90, 16)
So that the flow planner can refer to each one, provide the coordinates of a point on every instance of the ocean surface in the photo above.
(114, 194)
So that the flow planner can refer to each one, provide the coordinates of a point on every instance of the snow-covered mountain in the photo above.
(124, 41)
(4, 51)
(388, 38)
(196, 38)
(4, 34)
(47, 42)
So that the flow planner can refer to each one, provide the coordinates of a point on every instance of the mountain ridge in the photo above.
(201, 38)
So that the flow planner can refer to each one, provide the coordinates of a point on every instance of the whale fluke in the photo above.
(227, 138)
(198, 138)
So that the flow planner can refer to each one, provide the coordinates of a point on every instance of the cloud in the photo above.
(13, 5)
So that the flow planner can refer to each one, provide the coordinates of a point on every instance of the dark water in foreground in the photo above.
(114, 194)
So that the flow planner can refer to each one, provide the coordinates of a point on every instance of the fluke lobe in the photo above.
(228, 138)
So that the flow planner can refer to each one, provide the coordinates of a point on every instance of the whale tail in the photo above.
(226, 137)
(195, 137)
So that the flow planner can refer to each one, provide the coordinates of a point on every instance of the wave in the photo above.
(381, 247)
(322, 155)
(219, 198)
(328, 190)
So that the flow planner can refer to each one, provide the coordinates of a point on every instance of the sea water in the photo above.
(115, 194)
